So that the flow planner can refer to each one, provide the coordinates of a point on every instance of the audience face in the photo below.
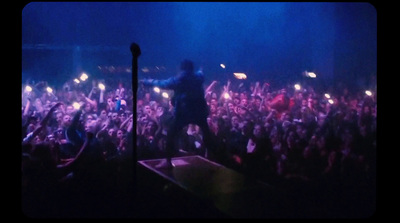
(192, 128)
(235, 122)
(159, 111)
(59, 117)
(220, 111)
(88, 108)
(257, 102)
(214, 96)
(214, 102)
(304, 102)
(299, 96)
(122, 117)
(111, 132)
(30, 128)
(151, 128)
(67, 120)
(244, 102)
(38, 102)
(241, 111)
(147, 96)
(70, 110)
(242, 96)
(285, 116)
(213, 109)
(58, 134)
(120, 134)
(115, 117)
(89, 118)
(258, 131)
(110, 103)
(231, 107)
(353, 103)
(90, 126)
(103, 114)
(147, 110)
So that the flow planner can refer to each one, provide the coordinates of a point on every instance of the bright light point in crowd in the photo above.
(76, 105)
(330, 101)
(84, 77)
(327, 95)
(223, 66)
(156, 89)
(312, 75)
(48, 89)
(145, 69)
(297, 86)
(76, 81)
(240, 75)
(226, 96)
(367, 92)
(101, 86)
(165, 95)
(28, 88)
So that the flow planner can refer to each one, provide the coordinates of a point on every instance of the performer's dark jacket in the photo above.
(188, 100)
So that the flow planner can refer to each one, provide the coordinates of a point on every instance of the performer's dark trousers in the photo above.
(176, 127)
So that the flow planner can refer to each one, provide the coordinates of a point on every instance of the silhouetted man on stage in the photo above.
(189, 104)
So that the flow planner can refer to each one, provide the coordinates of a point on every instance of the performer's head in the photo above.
(187, 65)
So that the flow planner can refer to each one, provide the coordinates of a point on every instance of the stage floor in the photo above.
(228, 191)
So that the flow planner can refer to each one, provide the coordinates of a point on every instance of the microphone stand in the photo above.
(135, 50)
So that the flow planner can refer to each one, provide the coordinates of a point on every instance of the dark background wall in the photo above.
(267, 40)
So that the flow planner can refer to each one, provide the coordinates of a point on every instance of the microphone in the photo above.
(135, 50)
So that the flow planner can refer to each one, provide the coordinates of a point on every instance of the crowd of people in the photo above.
(77, 139)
